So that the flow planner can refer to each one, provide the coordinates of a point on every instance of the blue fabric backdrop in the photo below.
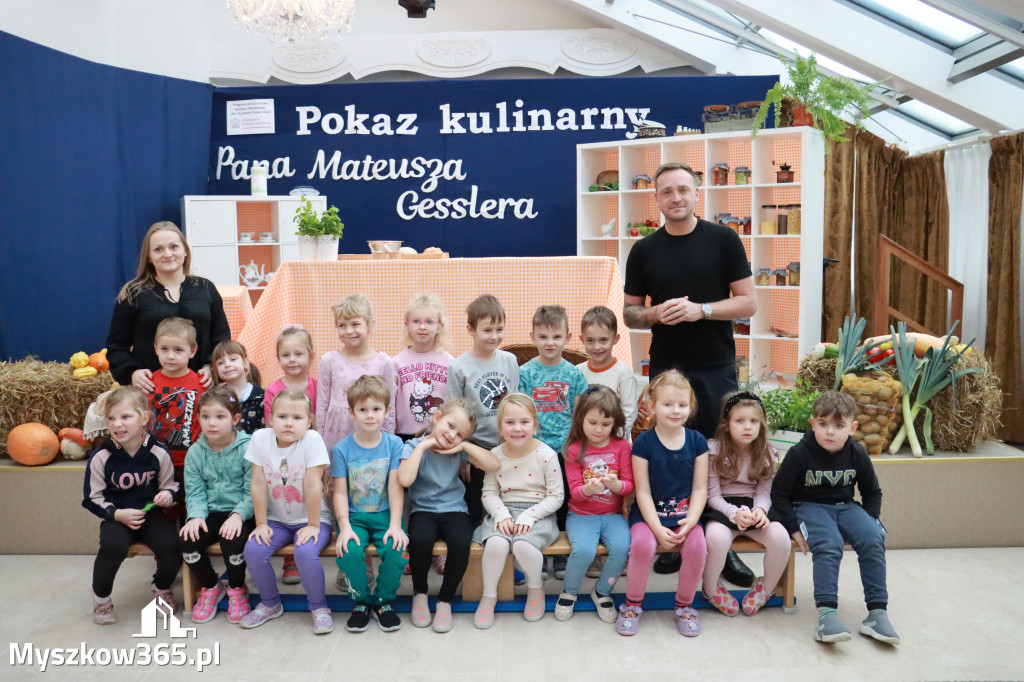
(90, 157)
(539, 165)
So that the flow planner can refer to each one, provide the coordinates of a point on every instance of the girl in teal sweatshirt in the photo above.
(218, 503)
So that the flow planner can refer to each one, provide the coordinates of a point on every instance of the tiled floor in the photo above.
(937, 606)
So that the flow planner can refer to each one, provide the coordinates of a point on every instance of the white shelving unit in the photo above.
(794, 309)
(213, 226)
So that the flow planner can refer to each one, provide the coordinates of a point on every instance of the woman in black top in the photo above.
(163, 288)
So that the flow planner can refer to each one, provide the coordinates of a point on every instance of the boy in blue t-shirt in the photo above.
(368, 505)
(553, 382)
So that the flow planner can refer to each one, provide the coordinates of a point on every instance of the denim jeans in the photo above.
(828, 528)
(585, 531)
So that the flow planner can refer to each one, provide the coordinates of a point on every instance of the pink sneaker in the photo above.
(756, 598)
(103, 611)
(238, 604)
(723, 601)
(290, 572)
(205, 608)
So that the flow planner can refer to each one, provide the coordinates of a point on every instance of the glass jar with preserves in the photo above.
(763, 278)
(741, 325)
(794, 273)
(742, 370)
(745, 225)
(780, 277)
(733, 222)
(782, 219)
(742, 175)
(698, 178)
(720, 174)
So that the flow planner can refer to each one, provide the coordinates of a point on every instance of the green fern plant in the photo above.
(826, 98)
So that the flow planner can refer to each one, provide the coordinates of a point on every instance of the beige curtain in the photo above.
(839, 188)
(1003, 329)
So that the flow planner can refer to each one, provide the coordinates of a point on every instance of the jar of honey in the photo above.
(763, 278)
(720, 174)
(794, 273)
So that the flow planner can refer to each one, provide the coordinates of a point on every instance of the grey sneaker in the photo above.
(831, 629)
(877, 625)
(595, 568)
(558, 567)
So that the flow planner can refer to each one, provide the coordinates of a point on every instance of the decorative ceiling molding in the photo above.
(238, 56)
(449, 53)
(599, 46)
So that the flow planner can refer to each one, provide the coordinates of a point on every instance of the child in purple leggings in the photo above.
(288, 463)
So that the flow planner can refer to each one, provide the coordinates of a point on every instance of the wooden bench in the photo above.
(472, 581)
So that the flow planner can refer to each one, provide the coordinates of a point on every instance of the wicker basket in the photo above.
(525, 352)
(878, 398)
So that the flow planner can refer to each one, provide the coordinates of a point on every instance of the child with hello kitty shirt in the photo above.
(421, 367)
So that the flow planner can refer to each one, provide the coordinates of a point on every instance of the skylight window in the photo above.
(923, 19)
(938, 120)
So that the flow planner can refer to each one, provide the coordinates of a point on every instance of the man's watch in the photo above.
(706, 309)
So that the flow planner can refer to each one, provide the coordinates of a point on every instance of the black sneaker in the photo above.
(668, 563)
(360, 618)
(386, 617)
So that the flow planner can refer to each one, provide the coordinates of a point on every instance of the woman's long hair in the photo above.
(146, 276)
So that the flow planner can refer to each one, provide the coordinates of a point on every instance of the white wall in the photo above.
(165, 38)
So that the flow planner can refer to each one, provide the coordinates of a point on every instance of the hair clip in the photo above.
(736, 398)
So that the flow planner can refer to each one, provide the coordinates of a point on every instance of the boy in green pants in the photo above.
(368, 505)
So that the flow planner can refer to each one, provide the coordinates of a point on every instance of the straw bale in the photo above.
(45, 392)
(979, 402)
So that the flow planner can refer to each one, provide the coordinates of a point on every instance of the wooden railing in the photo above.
(888, 248)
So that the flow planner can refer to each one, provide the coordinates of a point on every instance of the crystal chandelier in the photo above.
(294, 20)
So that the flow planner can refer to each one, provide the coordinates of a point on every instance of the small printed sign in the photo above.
(250, 117)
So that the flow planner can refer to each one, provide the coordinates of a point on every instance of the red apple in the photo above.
(634, 232)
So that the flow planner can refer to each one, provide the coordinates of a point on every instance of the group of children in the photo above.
(485, 451)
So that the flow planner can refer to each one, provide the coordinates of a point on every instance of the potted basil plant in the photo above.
(318, 234)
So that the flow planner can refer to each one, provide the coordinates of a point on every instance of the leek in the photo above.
(930, 374)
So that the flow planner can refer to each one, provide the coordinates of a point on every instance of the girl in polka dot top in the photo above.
(520, 499)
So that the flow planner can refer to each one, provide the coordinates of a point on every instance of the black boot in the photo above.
(735, 571)
(668, 563)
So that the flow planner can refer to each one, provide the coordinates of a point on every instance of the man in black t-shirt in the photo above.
(698, 278)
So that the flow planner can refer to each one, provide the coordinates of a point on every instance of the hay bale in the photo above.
(819, 375)
(45, 392)
(979, 402)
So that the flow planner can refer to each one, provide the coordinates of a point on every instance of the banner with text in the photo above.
(475, 167)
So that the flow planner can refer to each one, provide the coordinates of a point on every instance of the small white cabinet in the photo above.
(795, 311)
(213, 227)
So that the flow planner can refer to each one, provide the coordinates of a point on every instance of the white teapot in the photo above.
(252, 274)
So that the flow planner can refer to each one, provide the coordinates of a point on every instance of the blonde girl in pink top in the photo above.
(739, 499)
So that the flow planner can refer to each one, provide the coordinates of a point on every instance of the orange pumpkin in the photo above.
(32, 444)
(99, 361)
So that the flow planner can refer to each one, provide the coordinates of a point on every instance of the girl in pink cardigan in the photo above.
(739, 499)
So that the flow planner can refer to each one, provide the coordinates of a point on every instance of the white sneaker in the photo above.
(564, 606)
